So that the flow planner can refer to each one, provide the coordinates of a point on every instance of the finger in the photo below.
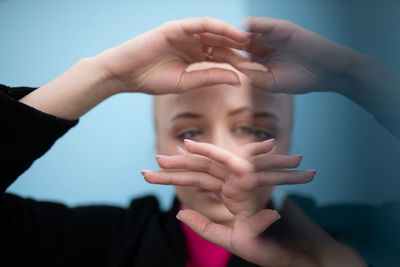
(210, 25)
(272, 178)
(208, 77)
(227, 55)
(278, 28)
(211, 39)
(263, 79)
(223, 156)
(216, 233)
(258, 47)
(180, 150)
(184, 178)
(193, 162)
(262, 220)
(256, 148)
(265, 162)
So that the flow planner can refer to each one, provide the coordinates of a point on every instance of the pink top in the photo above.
(203, 253)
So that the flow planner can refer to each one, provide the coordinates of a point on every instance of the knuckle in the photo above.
(205, 228)
(206, 19)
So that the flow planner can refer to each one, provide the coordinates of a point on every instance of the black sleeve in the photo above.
(26, 134)
(38, 233)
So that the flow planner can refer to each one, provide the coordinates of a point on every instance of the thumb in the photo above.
(207, 77)
(264, 79)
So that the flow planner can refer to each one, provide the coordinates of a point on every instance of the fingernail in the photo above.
(188, 141)
(312, 170)
(180, 149)
(277, 215)
(146, 171)
(178, 215)
(298, 155)
(160, 156)
(237, 85)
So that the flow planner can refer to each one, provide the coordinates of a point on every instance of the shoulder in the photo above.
(145, 204)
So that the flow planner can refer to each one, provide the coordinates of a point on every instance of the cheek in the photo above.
(186, 195)
(283, 144)
(167, 145)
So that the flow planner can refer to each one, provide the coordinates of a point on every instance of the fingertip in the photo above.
(188, 141)
(312, 176)
(234, 79)
(314, 171)
(145, 171)
(277, 215)
(146, 175)
(247, 20)
(179, 215)
(237, 85)
(159, 158)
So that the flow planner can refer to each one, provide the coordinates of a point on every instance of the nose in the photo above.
(223, 138)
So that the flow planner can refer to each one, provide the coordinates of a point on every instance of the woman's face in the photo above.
(228, 117)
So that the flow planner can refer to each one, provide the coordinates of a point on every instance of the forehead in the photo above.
(223, 99)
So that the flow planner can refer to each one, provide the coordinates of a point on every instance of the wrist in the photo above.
(372, 84)
(102, 79)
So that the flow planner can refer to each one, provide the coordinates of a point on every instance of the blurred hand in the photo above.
(298, 60)
(155, 62)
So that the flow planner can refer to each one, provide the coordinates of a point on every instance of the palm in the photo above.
(156, 61)
(298, 60)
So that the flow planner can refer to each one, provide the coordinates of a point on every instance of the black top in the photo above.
(44, 233)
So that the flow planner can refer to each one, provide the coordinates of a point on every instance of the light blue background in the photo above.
(99, 161)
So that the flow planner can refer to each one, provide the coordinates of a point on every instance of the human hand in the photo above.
(240, 182)
(155, 62)
(297, 60)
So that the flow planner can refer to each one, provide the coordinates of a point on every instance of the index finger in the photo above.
(276, 30)
(211, 25)
(223, 156)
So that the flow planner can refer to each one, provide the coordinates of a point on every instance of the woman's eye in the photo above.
(189, 134)
(262, 135)
(258, 134)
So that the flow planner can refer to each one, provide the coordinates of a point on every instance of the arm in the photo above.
(300, 61)
(26, 134)
(154, 62)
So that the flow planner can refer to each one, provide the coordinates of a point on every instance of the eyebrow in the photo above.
(266, 114)
(262, 114)
(257, 115)
(186, 115)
